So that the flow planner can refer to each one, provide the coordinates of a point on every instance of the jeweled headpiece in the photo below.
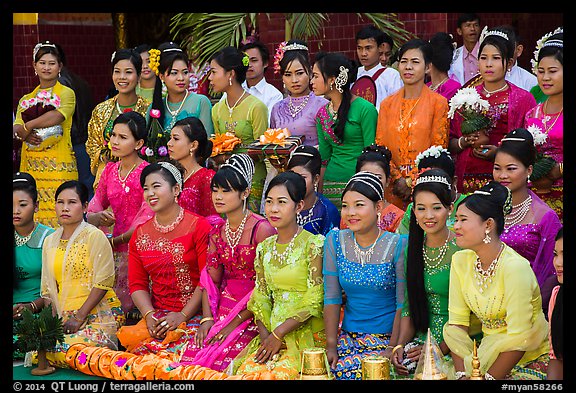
(173, 170)
(432, 151)
(242, 164)
(507, 208)
(283, 47)
(370, 180)
(40, 45)
(485, 33)
(341, 79)
(433, 179)
(295, 46)
(545, 41)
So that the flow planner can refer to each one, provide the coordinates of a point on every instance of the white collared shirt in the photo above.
(389, 81)
(521, 77)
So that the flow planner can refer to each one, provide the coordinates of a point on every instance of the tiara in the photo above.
(172, 50)
(434, 151)
(40, 45)
(364, 177)
(173, 170)
(485, 33)
(433, 179)
(295, 46)
(242, 164)
(542, 42)
(558, 43)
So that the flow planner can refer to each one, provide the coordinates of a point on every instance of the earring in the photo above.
(59, 75)
(487, 239)
(230, 81)
(244, 205)
(35, 73)
(379, 216)
(284, 85)
(315, 187)
(331, 85)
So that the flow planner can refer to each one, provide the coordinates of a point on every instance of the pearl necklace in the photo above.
(231, 109)
(518, 213)
(233, 237)
(364, 256)
(484, 277)
(489, 93)
(295, 110)
(303, 220)
(168, 228)
(21, 240)
(283, 257)
(434, 262)
(175, 113)
(123, 181)
(435, 87)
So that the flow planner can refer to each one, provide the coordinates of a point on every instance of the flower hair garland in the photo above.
(278, 56)
(154, 61)
(539, 136)
(433, 151)
(540, 44)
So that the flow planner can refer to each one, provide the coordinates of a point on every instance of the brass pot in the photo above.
(314, 361)
(375, 368)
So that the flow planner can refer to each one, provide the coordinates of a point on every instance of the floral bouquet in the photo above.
(157, 140)
(473, 109)
(275, 136)
(35, 107)
(222, 147)
(544, 163)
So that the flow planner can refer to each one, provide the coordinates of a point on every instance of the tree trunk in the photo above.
(43, 367)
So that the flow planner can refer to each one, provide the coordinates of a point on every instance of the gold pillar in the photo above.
(25, 19)
(119, 22)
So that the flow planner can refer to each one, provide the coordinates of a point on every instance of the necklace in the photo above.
(364, 256)
(546, 118)
(484, 277)
(435, 87)
(294, 110)
(434, 262)
(190, 175)
(231, 109)
(303, 220)
(489, 93)
(282, 258)
(21, 240)
(333, 112)
(233, 237)
(404, 118)
(168, 228)
(119, 109)
(518, 213)
(123, 181)
(175, 113)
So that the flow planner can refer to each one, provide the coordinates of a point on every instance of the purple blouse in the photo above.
(535, 240)
(303, 123)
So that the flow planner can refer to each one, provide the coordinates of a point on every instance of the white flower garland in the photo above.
(433, 151)
(539, 45)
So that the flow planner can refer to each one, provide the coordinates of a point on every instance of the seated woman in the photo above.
(497, 284)
(29, 235)
(368, 264)
(227, 280)
(555, 314)
(318, 215)
(166, 255)
(287, 297)
(78, 276)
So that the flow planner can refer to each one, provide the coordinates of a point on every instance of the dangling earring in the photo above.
(379, 217)
(244, 205)
(59, 75)
(230, 81)
(284, 85)
(315, 187)
(331, 85)
(35, 73)
(487, 239)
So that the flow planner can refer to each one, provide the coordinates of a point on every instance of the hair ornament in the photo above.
(542, 42)
(40, 45)
(24, 180)
(113, 56)
(341, 79)
(433, 179)
(433, 151)
(245, 59)
(154, 62)
(537, 134)
(278, 56)
(173, 170)
(242, 164)
(370, 180)
(485, 33)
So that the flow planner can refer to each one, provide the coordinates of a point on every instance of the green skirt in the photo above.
(333, 191)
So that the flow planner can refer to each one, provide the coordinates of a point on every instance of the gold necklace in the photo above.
(404, 118)
(545, 122)
(123, 181)
(190, 175)
(435, 87)
(333, 112)
(489, 93)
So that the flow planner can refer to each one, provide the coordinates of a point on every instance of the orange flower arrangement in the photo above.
(275, 136)
(224, 143)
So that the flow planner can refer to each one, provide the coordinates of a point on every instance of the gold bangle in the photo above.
(459, 145)
(78, 319)
(397, 347)
(34, 307)
(25, 129)
(147, 313)
(112, 240)
(275, 335)
(185, 316)
(561, 167)
(206, 319)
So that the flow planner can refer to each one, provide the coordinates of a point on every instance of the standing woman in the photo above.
(474, 154)
(319, 215)
(190, 146)
(126, 69)
(29, 236)
(549, 118)
(147, 81)
(491, 280)
(166, 255)
(78, 276)
(172, 67)
(367, 264)
(287, 297)
(228, 279)
(118, 201)
(411, 120)
(442, 55)
(532, 225)
(345, 125)
(297, 112)
(431, 245)
(240, 113)
(49, 162)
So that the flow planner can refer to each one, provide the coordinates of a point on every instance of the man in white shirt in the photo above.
(518, 75)
(465, 62)
(371, 44)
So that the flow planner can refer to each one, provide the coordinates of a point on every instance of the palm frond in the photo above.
(306, 25)
(389, 23)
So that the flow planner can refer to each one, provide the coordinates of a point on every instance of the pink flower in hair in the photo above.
(278, 56)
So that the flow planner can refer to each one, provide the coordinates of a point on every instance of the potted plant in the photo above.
(40, 332)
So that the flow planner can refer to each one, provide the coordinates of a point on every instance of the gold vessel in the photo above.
(475, 375)
(430, 365)
(375, 368)
(315, 364)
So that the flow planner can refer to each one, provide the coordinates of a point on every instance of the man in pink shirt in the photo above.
(465, 63)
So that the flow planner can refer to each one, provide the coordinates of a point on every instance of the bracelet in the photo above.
(459, 145)
(185, 315)
(112, 240)
(489, 377)
(240, 317)
(275, 335)
(397, 347)
(34, 307)
(148, 312)
(206, 319)
(561, 167)
(78, 319)
(460, 374)
(25, 129)
(17, 136)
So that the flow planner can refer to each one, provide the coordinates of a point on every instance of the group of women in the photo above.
(362, 247)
